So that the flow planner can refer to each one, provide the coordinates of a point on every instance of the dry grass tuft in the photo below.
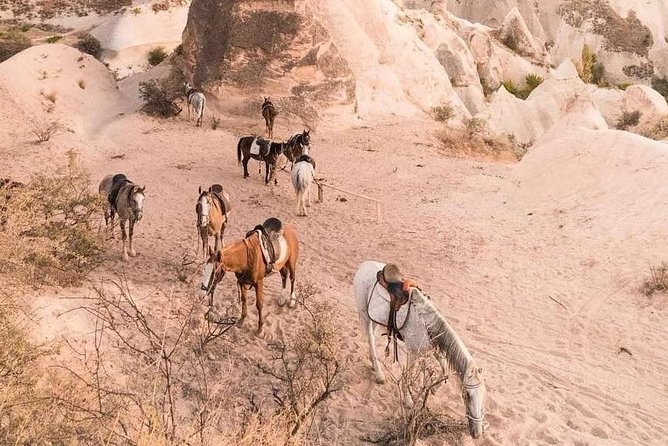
(473, 141)
(45, 130)
(656, 128)
(657, 282)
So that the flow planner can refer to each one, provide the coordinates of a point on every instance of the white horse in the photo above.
(424, 329)
(303, 173)
(196, 102)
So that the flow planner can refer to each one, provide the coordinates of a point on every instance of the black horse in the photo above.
(269, 113)
(262, 150)
(297, 145)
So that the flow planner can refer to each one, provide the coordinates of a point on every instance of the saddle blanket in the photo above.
(378, 307)
(255, 148)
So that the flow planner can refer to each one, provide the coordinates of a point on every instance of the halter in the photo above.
(471, 417)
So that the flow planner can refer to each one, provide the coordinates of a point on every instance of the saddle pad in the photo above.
(255, 147)
(379, 307)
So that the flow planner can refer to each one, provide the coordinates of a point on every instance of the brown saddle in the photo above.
(269, 233)
(392, 280)
(217, 192)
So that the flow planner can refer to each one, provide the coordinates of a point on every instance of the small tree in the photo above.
(158, 99)
(156, 55)
(89, 45)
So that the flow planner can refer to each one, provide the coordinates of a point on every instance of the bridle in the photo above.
(471, 417)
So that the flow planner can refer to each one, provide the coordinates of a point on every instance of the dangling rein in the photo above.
(392, 329)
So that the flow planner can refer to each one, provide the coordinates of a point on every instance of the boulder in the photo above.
(515, 34)
(645, 100)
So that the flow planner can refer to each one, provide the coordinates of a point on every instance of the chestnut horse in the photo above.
(245, 259)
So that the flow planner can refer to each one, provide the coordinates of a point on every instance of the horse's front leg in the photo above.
(284, 280)
(308, 196)
(259, 301)
(216, 243)
(245, 163)
(243, 291)
(370, 327)
(292, 269)
(132, 251)
(266, 172)
(124, 237)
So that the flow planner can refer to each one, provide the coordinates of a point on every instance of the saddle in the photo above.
(392, 280)
(306, 158)
(264, 146)
(217, 192)
(269, 233)
(117, 182)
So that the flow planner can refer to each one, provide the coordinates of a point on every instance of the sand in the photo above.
(537, 265)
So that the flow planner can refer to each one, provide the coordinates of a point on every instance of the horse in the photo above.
(213, 210)
(303, 174)
(196, 101)
(262, 150)
(247, 260)
(424, 328)
(127, 199)
(269, 113)
(296, 146)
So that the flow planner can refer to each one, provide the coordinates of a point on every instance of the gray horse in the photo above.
(125, 198)
(196, 102)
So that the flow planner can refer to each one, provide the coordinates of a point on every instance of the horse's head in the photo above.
(473, 389)
(202, 208)
(306, 139)
(137, 202)
(187, 87)
(213, 273)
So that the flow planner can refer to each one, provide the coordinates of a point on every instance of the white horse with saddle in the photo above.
(196, 102)
(384, 297)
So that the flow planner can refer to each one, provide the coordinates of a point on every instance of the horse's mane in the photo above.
(444, 337)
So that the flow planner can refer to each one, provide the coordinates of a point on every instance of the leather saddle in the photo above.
(117, 182)
(217, 192)
(269, 234)
(392, 280)
(265, 146)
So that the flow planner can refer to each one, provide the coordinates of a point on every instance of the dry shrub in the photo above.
(628, 120)
(656, 128)
(48, 237)
(45, 130)
(418, 382)
(159, 99)
(657, 282)
(157, 55)
(443, 113)
(307, 369)
(12, 42)
(473, 141)
(24, 395)
(89, 45)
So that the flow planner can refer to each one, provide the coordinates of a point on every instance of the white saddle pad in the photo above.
(255, 148)
(379, 307)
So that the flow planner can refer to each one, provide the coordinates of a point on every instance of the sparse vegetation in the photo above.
(157, 55)
(443, 113)
(44, 131)
(89, 45)
(49, 237)
(589, 68)
(159, 99)
(656, 128)
(628, 120)
(53, 39)
(12, 42)
(657, 282)
(660, 84)
(624, 85)
(531, 82)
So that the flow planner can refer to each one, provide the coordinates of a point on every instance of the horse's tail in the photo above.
(201, 113)
(239, 151)
(302, 176)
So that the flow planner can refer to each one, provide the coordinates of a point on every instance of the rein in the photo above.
(393, 333)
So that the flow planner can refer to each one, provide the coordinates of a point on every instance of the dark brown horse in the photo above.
(296, 146)
(269, 113)
(247, 260)
(262, 150)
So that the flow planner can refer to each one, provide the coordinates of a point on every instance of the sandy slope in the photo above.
(578, 220)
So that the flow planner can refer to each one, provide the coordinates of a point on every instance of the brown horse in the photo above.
(248, 261)
(269, 113)
(213, 210)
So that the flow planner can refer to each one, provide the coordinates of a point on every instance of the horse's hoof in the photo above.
(292, 303)
(126, 258)
(380, 379)
(132, 253)
(260, 333)
(281, 301)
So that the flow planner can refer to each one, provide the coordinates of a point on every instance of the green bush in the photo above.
(531, 82)
(12, 42)
(624, 85)
(627, 120)
(89, 45)
(158, 99)
(591, 71)
(156, 55)
(53, 39)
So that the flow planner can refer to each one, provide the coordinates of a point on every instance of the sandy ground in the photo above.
(537, 265)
